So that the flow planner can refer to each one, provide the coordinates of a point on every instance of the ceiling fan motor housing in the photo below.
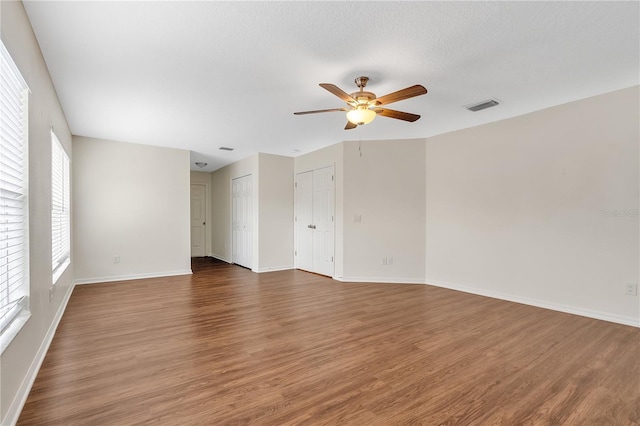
(361, 81)
(362, 98)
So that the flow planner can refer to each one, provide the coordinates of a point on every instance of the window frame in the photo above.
(14, 199)
(60, 209)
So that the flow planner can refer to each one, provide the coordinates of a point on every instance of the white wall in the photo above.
(384, 184)
(275, 212)
(204, 178)
(130, 201)
(522, 209)
(20, 361)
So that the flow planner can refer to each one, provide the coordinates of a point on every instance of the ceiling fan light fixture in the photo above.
(361, 116)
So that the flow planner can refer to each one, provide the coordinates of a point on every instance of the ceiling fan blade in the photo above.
(337, 91)
(400, 95)
(400, 115)
(350, 126)
(319, 110)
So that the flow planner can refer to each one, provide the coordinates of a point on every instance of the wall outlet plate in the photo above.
(631, 289)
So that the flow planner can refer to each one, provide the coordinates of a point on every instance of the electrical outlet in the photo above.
(116, 259)
(384, 260)
(390, 261)
(631, 289)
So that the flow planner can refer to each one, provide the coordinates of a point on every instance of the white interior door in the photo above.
(315, 221)
(198, 220)
(242, 221)
(323, 229)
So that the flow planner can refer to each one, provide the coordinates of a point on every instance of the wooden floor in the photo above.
(227, 346)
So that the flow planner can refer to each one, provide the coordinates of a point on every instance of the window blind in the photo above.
(14, 258)
(60, 205)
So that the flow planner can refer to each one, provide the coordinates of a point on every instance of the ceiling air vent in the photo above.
(226, 148)
(482, 105)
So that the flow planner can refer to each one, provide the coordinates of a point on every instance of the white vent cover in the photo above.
(482, 105)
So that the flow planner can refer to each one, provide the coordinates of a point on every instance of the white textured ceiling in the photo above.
(200, 75)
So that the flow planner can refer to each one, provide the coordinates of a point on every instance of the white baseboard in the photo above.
(380, 280)
(131, 277)
(274, 269)
(605, 316)
(13, 413)
(221, 258)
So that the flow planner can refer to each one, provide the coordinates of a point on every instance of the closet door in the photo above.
(314, 221)
(242, 221)
(323, 230)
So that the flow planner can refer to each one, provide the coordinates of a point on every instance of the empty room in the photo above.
(319, 213)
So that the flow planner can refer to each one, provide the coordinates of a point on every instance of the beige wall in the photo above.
(221, 207)
(275, 212)
(204, 178)
(130, 201)
(272, 210)
(541, 209)
(21, 359)
(384, 184)
(526, 209)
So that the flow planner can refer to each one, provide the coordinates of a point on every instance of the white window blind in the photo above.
(60, 205)
(14, 207)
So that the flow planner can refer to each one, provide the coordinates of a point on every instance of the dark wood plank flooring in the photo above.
(230, 347)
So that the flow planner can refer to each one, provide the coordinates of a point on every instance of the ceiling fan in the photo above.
(362, 107)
